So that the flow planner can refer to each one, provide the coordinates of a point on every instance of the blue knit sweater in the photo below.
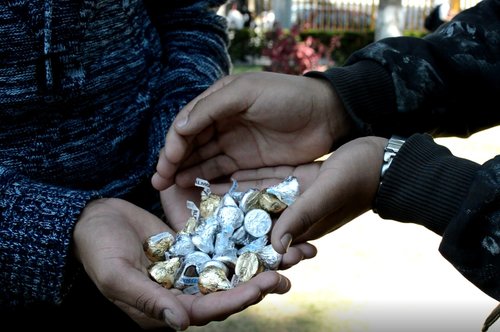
(88, 90)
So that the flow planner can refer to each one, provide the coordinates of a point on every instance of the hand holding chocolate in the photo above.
(224, 242)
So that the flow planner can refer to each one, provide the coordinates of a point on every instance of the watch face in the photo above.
(393, 146)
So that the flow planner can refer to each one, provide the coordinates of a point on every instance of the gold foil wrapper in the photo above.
(164, 272)
(271, 203)
(157, 245)
(209, 204)
(213, 279)
(250, 200)
(248, 265)
(190, 226)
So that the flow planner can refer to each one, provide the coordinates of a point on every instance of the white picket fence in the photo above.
(353, 15)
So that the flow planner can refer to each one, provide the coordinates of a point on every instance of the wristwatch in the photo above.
(391, 149)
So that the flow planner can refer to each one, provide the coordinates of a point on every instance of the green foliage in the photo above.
(415, 33)
(244, 42)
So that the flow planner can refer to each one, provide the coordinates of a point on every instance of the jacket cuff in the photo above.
(367, 92)
(425, 184)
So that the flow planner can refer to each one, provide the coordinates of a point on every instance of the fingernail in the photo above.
(286, 240)
(169, 318)
(181, 121)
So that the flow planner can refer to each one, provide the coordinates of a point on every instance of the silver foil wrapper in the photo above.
(270, 257)
(287, 191)
(257, 222)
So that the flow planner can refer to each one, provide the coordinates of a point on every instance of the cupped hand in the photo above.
(249, 121)
(108, 242)
(333, 192)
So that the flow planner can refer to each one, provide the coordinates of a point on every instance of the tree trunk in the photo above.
(390, 19)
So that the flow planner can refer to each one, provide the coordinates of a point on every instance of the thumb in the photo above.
(137, 293)
(303, 215)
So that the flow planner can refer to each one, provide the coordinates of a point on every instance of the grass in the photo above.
(242, 67)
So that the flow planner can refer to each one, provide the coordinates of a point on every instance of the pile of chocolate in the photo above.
(224, 242)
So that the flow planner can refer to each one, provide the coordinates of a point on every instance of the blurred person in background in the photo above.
(235, 19)
(442, 12)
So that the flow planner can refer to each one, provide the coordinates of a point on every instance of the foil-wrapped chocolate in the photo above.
(230, 215)
(270, 203)
(157, 245)
(257, 222)
(190, 226)
(204, 236)
(217, 263)
(209, 202)
(213, 279)
(164, 272)
(247, 266)
(191, 268)
(182, 246)
(286, 191)
(269, 257)
(250, 200)
(192, 222)
(208, 205)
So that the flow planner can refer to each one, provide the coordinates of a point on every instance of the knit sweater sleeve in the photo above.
(37, 222)
(454, 197)
(195, 41)
(444, 84)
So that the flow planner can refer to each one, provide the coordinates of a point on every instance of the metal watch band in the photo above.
(392, 147)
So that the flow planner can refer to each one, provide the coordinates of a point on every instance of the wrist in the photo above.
(390, 151)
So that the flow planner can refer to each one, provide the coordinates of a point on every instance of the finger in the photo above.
(310, 207)
(269, 176)
(297, 253)
(220, 305)
(215, 166)
(156, 302)
(176, 149)
(221, 100)
(264, 173)
(190, 149)
(165, 169)
(183, 115)
(181, 152)
(139, 317)
(211, 169)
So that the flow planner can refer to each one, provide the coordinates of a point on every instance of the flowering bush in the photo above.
(290, 55)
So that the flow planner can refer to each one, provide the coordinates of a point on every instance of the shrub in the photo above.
(244, 42)
(289, 54)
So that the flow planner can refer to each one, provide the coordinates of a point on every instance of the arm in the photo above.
(454, 197)
(49, 234)
(425, 184)
(194, 41)
(444, 84)
(36, 226)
